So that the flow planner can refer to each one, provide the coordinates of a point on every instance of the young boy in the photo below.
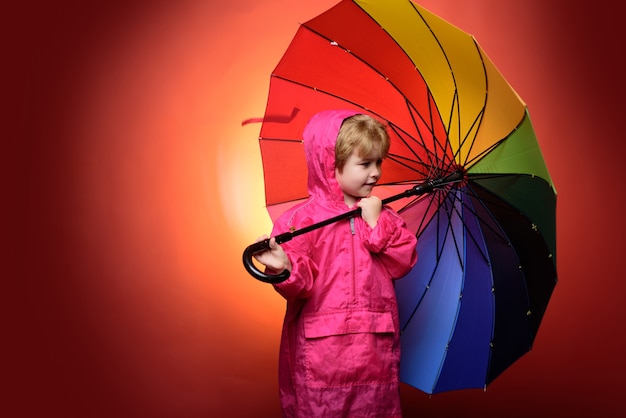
(340, 347)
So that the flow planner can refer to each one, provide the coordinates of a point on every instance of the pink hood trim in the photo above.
(320, 135)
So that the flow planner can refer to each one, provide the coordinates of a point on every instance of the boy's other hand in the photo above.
(274, 257)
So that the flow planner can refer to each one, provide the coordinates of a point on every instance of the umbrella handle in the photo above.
(258, 247)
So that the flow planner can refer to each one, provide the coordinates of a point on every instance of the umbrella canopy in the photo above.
(486, 245)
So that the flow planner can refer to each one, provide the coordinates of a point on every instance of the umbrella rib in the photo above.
(492, 147)
(397, 130)
(412, 203)
(455, 105)
(451, 199)
(325, 92)
(487, 176)
(500, 233)
(482, 154)
(477, 120)
(407, 322)
(399, 159)
(479, 117)
(412, 110)
(469, 232)
(480, 114)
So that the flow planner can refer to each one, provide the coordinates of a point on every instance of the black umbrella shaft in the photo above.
(260, 246)
(417, 190)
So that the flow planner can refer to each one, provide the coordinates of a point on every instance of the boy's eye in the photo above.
(369, 163)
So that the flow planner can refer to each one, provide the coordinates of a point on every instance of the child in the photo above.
(340, 346)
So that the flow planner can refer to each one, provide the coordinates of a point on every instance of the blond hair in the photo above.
(362, 133)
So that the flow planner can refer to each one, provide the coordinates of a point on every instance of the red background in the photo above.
(133, 189)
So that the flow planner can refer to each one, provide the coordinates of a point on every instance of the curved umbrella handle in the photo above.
(257, 247)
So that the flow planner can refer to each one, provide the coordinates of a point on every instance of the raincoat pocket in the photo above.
(349, 349)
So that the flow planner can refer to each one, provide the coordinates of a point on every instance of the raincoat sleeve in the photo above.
(304, 269)
(393, 243)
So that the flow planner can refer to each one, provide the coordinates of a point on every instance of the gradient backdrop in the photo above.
(133, 189)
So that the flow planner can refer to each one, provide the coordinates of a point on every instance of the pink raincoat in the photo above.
(340, 348)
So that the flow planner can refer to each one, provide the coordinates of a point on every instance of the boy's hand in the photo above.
(370, 209)
(274, 258)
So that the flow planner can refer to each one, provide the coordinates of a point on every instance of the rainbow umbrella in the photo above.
(486, 247)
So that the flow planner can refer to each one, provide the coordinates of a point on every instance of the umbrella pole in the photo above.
(257, 247)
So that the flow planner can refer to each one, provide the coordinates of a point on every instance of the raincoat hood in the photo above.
(320, 135)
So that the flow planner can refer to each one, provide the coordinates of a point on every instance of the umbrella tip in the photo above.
(251, 120)
(273, 118)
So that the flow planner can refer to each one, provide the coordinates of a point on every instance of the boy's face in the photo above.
(359, 176)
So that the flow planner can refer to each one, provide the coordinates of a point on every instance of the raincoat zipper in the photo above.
(352, 231)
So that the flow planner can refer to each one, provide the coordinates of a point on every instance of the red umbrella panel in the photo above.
(486, 245)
